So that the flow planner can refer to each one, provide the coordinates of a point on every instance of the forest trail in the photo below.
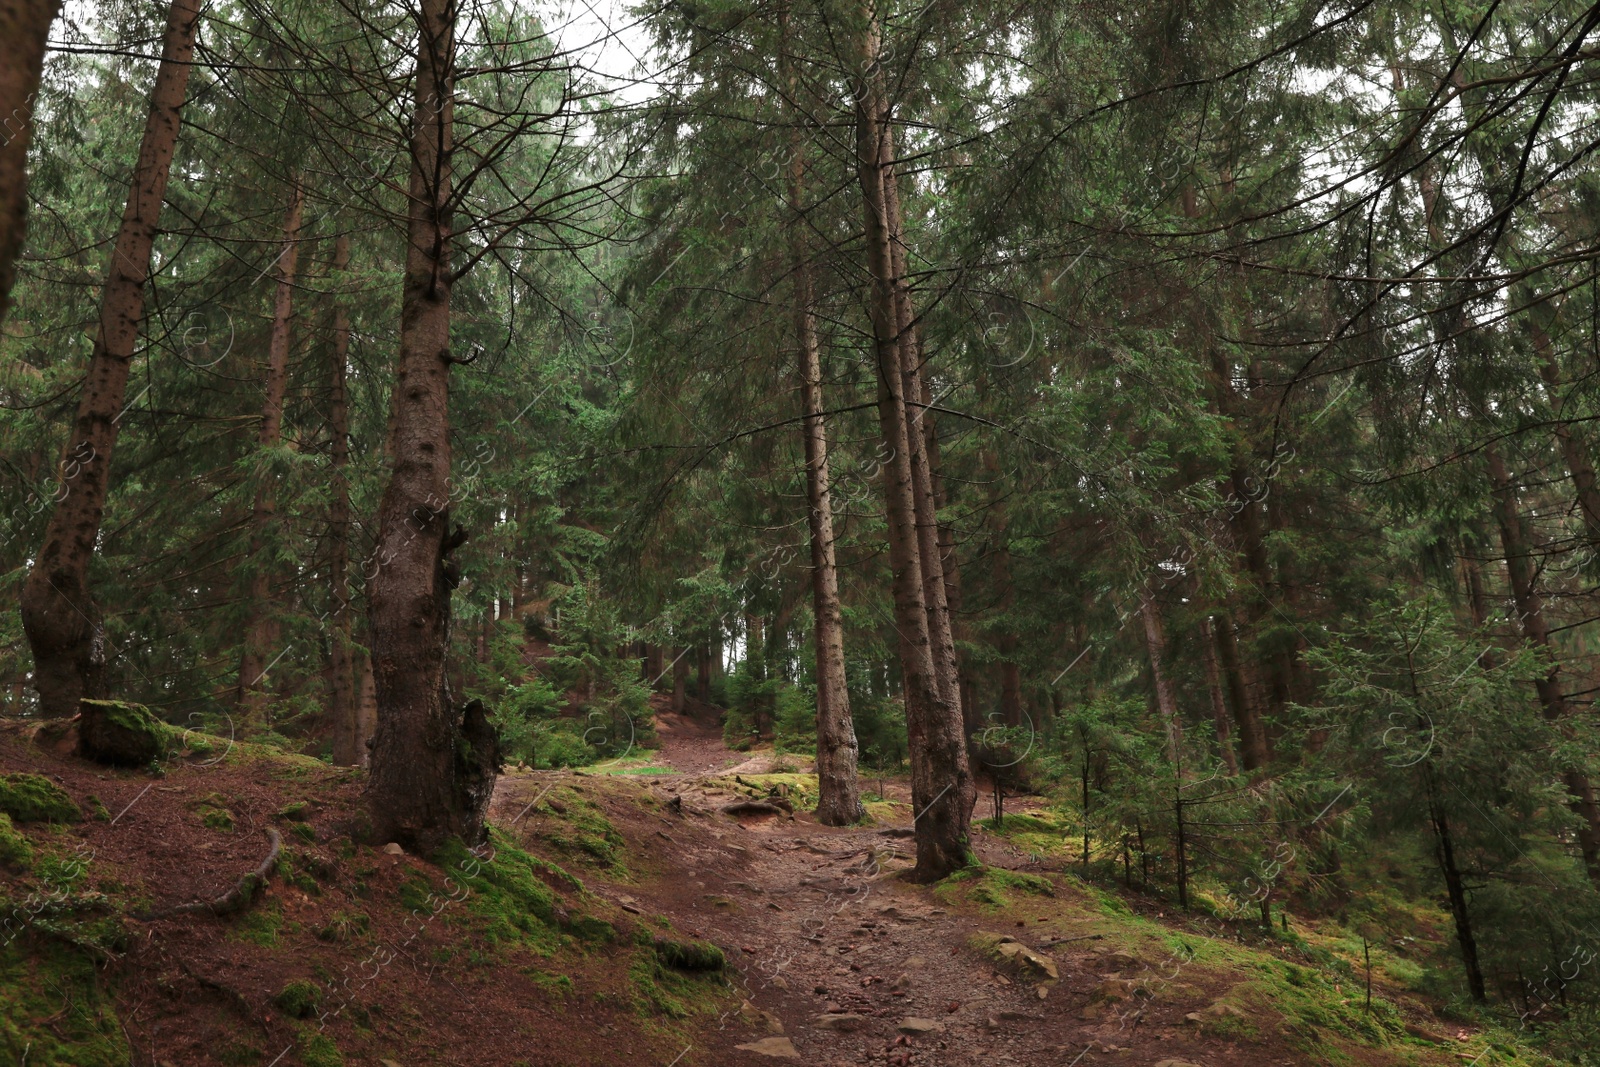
(839, 960)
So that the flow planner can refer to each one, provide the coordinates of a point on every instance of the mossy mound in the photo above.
(690, 955)
(15, 852)
(32, 798)
(509, 892)
(299, 998)
(119, 734)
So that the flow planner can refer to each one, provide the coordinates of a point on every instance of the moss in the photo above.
(590, 836)
(987, 885)
(55, 1010)
(317, 1049)
(260, 925)
(121, 734)
(217, 819)
(690, 955)
(15, 852)
(299, 998)
(345, 926)
(97, 810)
(33, 798)
(510, 895)
(298, 811)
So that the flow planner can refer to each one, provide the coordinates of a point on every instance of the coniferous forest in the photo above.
(739, 530)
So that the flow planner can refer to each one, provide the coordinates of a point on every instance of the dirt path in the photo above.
(840, 961)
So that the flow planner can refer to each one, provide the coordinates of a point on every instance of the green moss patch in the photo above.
(587, 835)
(509, 894)
(317, 1049)
(54, 1010)
(989, 886)
(34, 798)
(690, 955)
(299, 998)
(15, 852)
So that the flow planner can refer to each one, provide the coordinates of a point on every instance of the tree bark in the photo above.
(680, 681)
(838, 790)
(24, 28)
(433, 763)
(348, 741)
(1515, 543)
(1219, 705)
(1254, 748)
(262, 632)
(1155, 644)
(58, 611)
(1579, 465)
(1455, 888)
(942, 790)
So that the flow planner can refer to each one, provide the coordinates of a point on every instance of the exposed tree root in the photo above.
(236, 899)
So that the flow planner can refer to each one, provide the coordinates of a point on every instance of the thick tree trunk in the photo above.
(348, 741)
(24, 28)
(680, 681)
(1254, 748)
(702, 680)
(1515, 543)
(1219, 705)
(942, 790)
(262, 632)
(433, 763)
(58, 610)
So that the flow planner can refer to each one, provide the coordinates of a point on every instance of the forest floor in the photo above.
(556, 949)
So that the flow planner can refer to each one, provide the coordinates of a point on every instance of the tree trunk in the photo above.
(433, 763)
(348, 741)
(1155, 644)
(1536, 631)
(838, 791)
(24, 28)
(1580, 467)
(1219, 705)
(702, 680)
(366, 708)
(58, 611)
(1457, 893)
(262, 632)
(1254, 749)
(942, 790)
(935, 591)
(680, 681)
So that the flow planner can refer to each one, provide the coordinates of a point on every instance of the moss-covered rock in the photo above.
(33, 798)
(299, 998)
(318, 1050)
(119, 734)
(15, 852)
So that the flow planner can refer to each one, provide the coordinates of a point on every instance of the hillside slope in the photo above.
(581, 935)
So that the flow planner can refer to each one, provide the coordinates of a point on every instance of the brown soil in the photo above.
(818, 921)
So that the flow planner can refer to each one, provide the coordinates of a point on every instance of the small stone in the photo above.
(777, 1047)
(780, 983)
(393, 849)
(901, 983)
(846, 1021)
(913, 1025)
